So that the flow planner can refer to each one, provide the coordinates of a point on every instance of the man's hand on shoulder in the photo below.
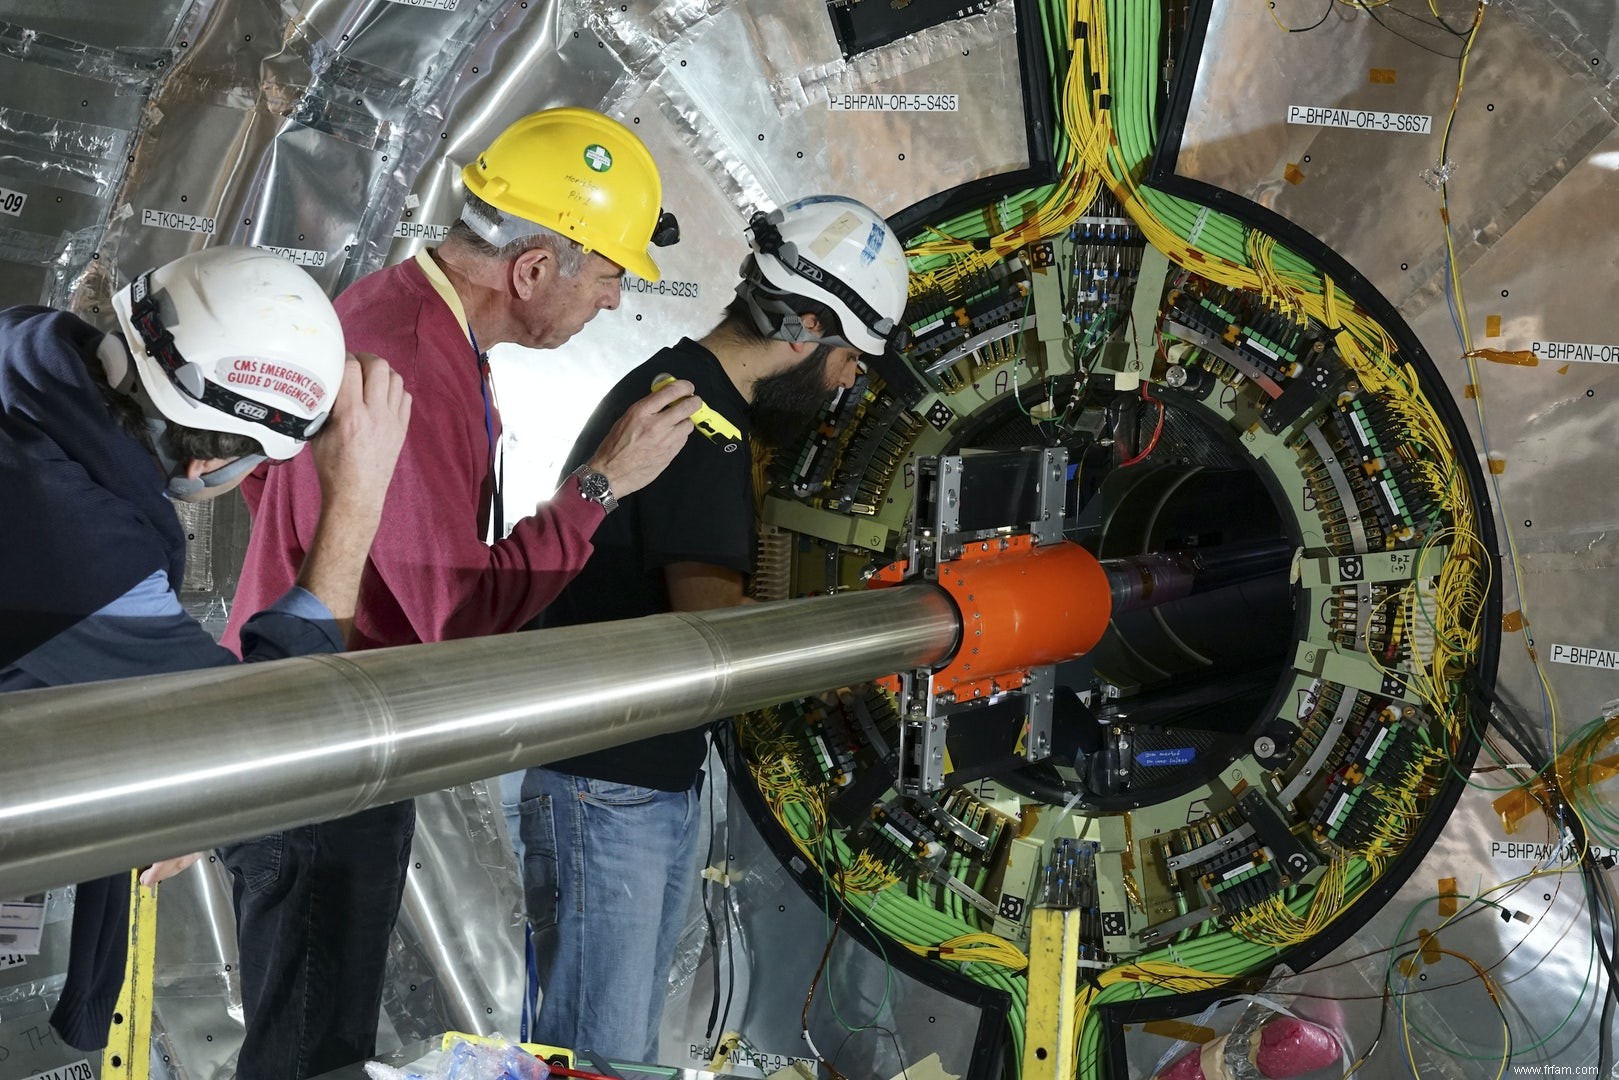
(356, 451)
(355, 454)
(646, 438)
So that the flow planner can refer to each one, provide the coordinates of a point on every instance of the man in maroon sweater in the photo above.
(559, 206)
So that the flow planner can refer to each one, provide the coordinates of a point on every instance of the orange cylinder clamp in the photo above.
(1021, 606)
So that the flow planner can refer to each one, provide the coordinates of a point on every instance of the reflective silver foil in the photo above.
(336, 130)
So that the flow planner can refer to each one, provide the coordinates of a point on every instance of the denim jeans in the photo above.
(609, 872)
(315, 909)
(511, 801)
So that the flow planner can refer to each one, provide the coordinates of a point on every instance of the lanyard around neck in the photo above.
(497, 515)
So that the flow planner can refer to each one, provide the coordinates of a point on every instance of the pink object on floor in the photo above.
(1185, 1067)
(1290, 1047)
(1287, 1047)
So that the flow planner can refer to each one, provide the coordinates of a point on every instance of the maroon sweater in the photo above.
(431, 576)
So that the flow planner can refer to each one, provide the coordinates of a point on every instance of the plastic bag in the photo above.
(1266, 1043)
(488, 1059)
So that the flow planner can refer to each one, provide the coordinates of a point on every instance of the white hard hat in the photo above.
(235, 339)
(836, 251)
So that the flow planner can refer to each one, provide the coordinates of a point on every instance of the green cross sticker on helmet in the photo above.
(597, 157)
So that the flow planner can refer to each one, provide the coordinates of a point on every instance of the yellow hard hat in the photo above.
(581, 174)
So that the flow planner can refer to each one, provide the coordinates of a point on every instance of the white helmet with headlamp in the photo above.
(235, 339)
(835, 251)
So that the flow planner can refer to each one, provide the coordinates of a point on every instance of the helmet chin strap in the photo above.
(122, 377)
(180, 486)
(113, 353)
(185, 488)
(208, 483)
(787, 325)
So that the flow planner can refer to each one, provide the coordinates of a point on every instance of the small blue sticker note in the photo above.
(1180, 755)
(874, 244)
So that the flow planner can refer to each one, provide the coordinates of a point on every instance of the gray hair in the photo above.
(480, 224)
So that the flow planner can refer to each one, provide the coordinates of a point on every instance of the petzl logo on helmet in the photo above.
(250, 410)
(597, 157)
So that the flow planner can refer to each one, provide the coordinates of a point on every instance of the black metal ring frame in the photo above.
(1163, 176)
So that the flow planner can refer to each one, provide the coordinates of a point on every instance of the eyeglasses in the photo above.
(145, 313)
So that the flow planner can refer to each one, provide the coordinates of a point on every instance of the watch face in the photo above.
(593, 486)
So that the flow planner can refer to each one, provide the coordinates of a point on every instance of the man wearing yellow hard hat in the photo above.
(558, 207)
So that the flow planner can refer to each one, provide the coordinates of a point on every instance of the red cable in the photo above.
(1157, 430)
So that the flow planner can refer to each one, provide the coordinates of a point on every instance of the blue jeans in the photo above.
(511, 801)
(315, 909)
(608, 872)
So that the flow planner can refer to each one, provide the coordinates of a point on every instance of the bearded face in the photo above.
(786, 403)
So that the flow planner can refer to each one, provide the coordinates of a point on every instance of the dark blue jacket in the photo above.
(85, 521)
(81, 503)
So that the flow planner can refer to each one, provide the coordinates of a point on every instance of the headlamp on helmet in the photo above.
(838, 252)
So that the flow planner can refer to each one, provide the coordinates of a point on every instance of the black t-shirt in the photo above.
(700, 509)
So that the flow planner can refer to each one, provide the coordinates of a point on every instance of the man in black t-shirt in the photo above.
(608, 840)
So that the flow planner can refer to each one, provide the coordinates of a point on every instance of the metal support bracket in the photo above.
(922, 740)
(1039, 690)
(1048, 527)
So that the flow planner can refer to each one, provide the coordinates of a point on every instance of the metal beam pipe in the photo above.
(95, 779)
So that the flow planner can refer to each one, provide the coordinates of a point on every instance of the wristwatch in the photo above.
(593, 486)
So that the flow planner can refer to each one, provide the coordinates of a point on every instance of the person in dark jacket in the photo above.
(223, 358)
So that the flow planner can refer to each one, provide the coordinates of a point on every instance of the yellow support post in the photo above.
(1050, 1036)
(129, 1041)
